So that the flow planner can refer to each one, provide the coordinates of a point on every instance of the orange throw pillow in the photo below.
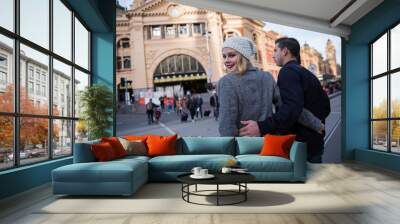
(136, 137)
(161, 145)
(277, 145)
(103, 152)
(116, 145)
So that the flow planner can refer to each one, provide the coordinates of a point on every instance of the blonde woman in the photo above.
(246, 93)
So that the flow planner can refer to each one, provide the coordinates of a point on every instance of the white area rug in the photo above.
(166, 198)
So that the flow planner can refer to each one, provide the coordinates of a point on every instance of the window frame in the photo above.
(389, 73)
(16, 115)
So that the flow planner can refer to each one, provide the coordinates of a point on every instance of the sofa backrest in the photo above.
(83, 152)
(206, 145)
(249, 145)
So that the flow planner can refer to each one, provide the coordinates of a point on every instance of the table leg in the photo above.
(217, 194)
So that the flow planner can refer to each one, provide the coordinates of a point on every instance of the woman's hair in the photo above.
(242, 65)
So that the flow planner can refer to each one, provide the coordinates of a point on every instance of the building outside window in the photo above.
(170, 30)
(385, 96)
(197, 28)
(183, 29)
(156, 31)
(124, 43)
(127, 62)
(58, 139)
(30, 87)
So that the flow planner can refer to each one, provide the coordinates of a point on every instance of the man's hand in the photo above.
(322, 130)
(250, 129)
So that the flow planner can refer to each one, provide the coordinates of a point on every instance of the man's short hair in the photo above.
(291, 44)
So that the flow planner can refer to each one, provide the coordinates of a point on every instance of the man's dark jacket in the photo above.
(299, 89)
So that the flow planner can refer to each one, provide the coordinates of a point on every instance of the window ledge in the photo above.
(26, 167)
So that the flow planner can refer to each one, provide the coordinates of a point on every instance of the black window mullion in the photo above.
(50, 87)
(389, 106)
(16, 84)
(73, 81)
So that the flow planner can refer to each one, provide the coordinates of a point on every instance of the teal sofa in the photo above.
(125, 176)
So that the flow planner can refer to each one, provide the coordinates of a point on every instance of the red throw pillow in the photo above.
(116, 145)
(103, 151)
(161, 145)
(277, 145)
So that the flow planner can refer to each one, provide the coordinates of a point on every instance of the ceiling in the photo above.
(326, 16)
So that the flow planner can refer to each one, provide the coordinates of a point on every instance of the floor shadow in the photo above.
(255, 198)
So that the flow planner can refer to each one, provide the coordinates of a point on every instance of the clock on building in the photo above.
(174, 11)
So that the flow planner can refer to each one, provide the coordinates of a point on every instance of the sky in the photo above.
(314, 39)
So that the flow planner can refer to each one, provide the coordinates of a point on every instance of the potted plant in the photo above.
(96, 102)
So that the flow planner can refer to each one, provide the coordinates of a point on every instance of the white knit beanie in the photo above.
(241, 44)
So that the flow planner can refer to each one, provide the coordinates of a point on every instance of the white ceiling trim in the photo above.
(270, 15)
(348, 12)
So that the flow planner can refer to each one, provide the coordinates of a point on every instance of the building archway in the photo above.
(180, 74)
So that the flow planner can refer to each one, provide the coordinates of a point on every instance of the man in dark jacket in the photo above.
(298, 88)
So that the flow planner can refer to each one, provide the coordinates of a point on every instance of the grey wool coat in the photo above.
(251, 96)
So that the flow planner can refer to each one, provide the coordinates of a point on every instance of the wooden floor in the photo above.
(378, 189)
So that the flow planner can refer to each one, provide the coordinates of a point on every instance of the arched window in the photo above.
(179, 64)
(124, 43)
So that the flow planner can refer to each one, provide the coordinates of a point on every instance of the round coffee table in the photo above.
(238, 179)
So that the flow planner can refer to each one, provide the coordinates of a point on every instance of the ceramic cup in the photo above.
(196, 171)
(203, 172)
(226, 170)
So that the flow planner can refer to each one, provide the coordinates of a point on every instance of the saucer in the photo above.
(208, 176)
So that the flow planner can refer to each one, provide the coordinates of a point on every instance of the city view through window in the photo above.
(40, 82)
(179, 59)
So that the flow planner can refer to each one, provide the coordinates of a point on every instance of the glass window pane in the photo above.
(32, 61)
(7, 14)
(33, 139)
(379, 135)
(35, 21)
(395, 136)
(379, 98)
(81, 81)
(81, 131)
(395, 47)
(81, 45)
(62, 138)
(395, 95)
(379, 55)
(6, 142)
(62, 29)
(6, 75)
(62, 89)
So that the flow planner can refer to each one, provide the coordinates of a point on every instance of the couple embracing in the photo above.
(253, 104)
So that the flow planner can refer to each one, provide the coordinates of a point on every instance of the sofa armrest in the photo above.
(83, 152)
(298, 155)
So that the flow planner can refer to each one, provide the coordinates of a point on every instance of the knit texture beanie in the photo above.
(241, 44)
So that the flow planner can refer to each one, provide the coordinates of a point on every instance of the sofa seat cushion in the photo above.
(257, 163)
(112, 171)
(185, 163)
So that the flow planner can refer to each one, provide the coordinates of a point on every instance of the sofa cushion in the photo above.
(116, 145)
(161, 145)
(83, 152)
(135, 147)
(185, 163)
(206, 145)
(257, 163)
(277, 145)
(103, 152)
(249, 145)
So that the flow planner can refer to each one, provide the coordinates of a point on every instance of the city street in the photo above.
(136, 123)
